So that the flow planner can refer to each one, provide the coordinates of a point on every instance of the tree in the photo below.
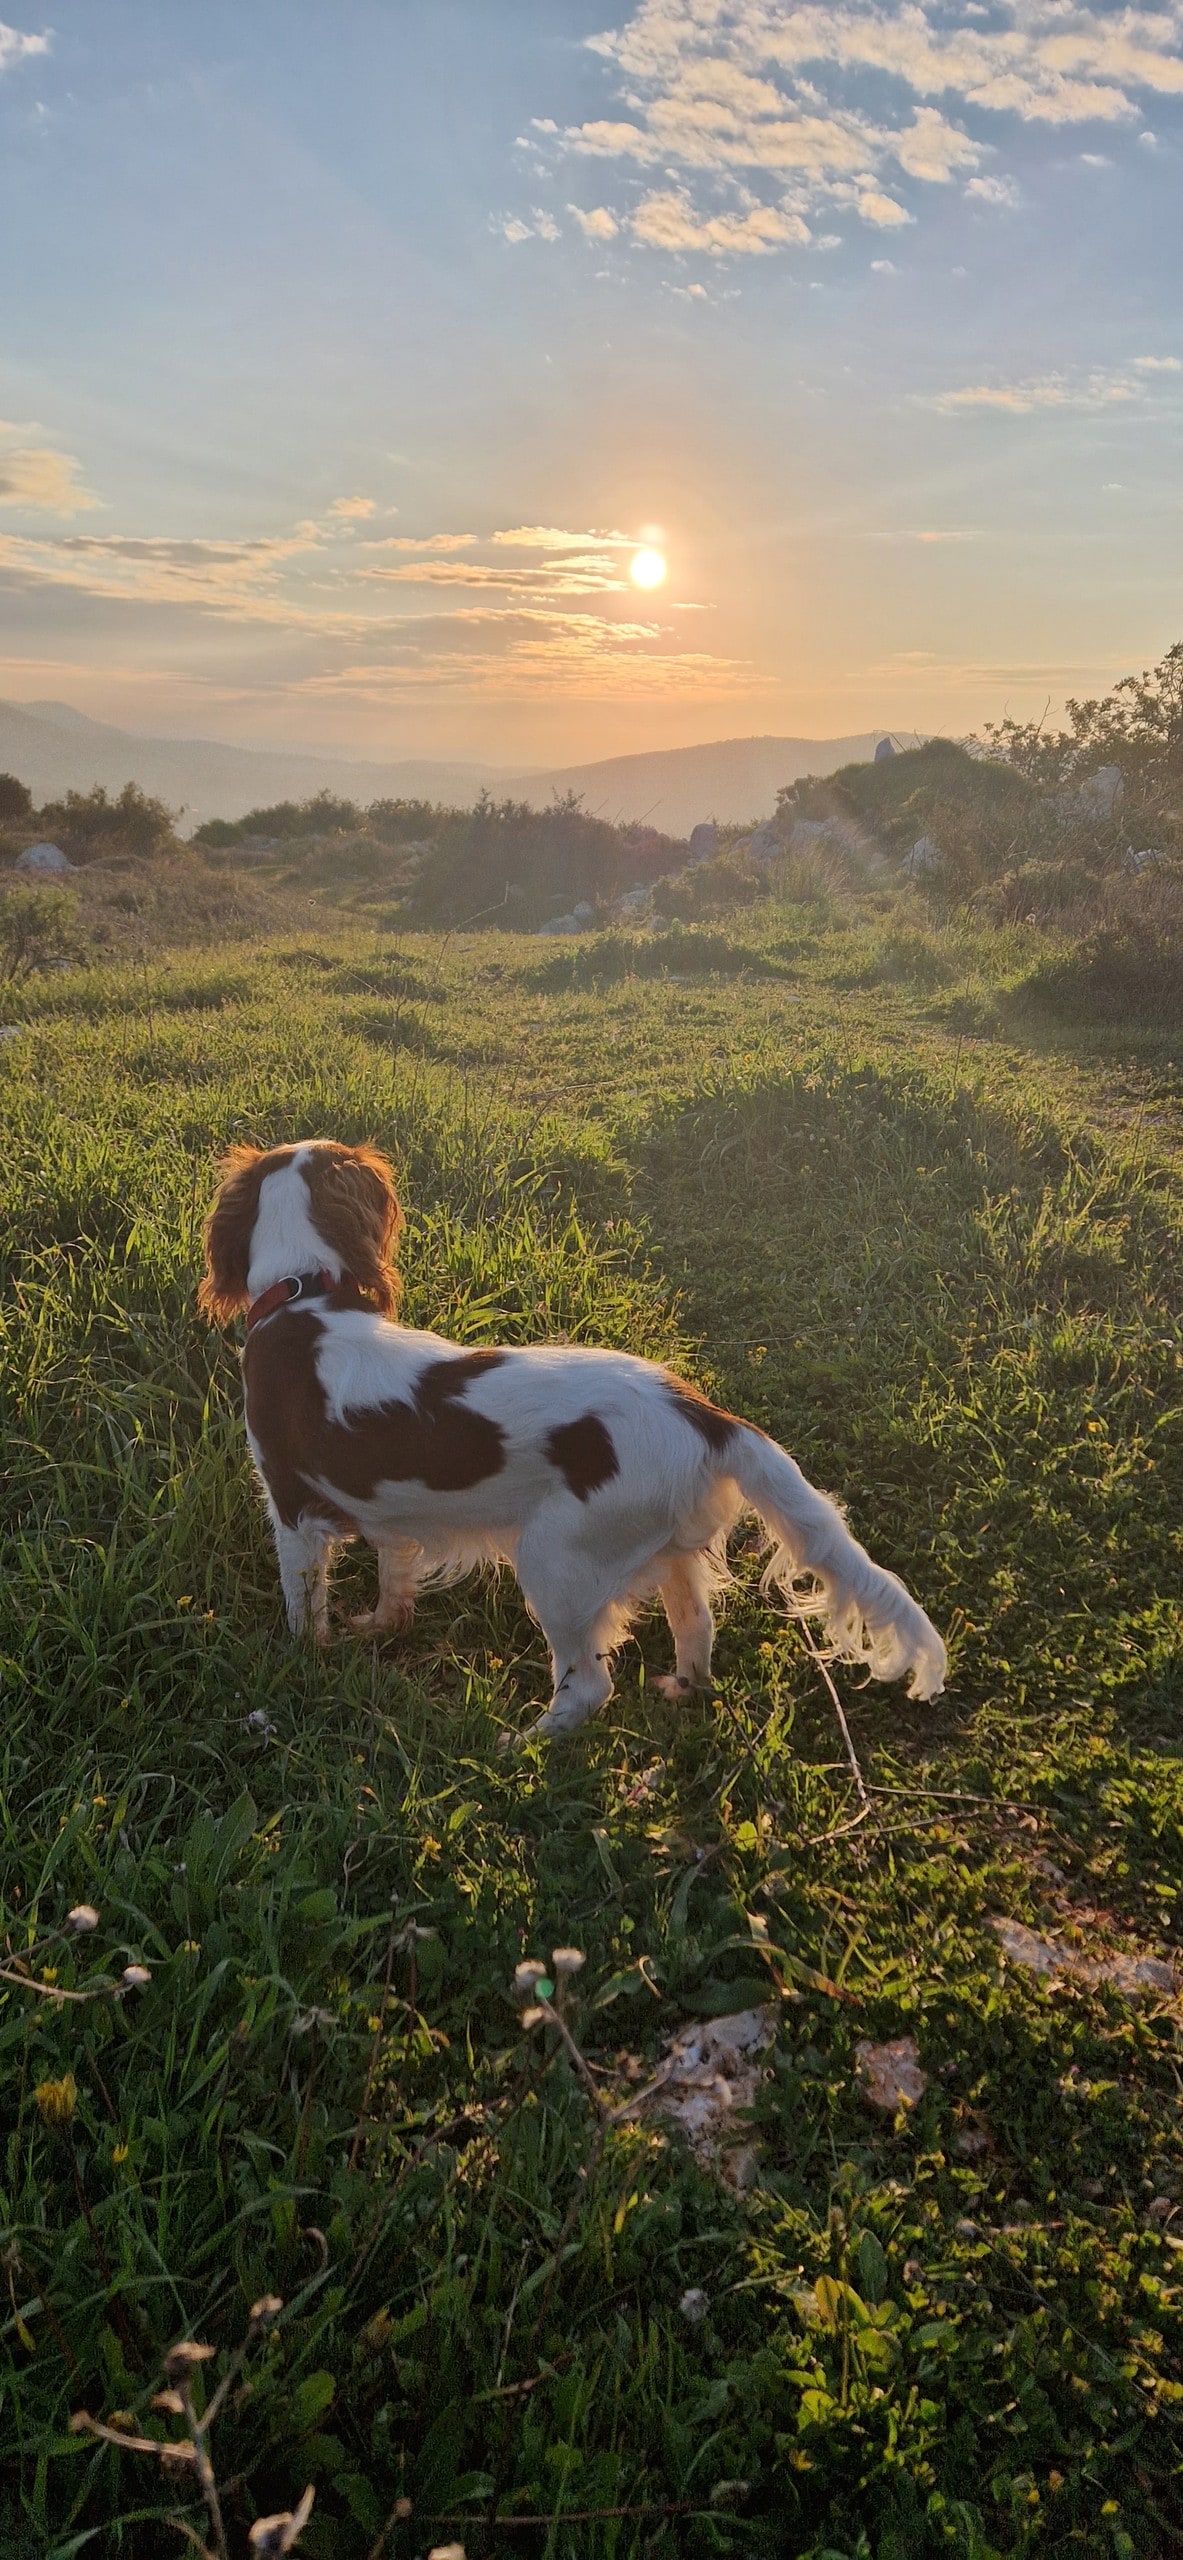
(16, 802)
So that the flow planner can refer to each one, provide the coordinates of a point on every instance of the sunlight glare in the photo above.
(647, 568)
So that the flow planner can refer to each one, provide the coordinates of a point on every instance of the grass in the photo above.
(851, 1176)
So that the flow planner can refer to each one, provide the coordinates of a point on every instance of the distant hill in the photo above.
(678, 786)
(54, 749)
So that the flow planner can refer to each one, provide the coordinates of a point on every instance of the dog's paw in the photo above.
(673, 1684)
(382, 1622)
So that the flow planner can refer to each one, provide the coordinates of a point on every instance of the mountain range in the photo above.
(53, 749)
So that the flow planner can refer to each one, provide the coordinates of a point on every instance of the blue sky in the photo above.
(350, 350)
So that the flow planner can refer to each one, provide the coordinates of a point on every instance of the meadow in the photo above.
(912, 1200)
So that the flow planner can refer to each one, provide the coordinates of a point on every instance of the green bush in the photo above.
(38, 928)
(91, 825)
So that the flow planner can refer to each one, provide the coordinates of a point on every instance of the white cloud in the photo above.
(738, 93)
(35, 476)
(884, 267)
(668, 220)
(551, 537)
(347, 507)
(882, 210)
(15, 47)
(423, 542)
(513, 230)
(598, 224)
(1099, 389)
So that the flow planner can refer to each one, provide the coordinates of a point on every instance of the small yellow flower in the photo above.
(119, 2154)
(57, 2099)
(186, 1600)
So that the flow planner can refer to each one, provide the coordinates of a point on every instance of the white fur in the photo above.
(284, 1239)
(657, 1528)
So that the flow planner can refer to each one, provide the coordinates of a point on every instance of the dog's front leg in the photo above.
(303, 1554)
(398, 1583)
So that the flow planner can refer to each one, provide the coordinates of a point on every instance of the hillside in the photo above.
(55, 749)
(673, 789)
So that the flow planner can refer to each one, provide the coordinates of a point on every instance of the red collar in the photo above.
(309, 1284)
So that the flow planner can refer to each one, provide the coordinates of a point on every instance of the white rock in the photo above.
(921, 858)
(704, 841)
(43, 857)
(1144, 859)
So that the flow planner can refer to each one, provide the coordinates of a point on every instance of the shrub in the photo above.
(91, 826)
(38, 927)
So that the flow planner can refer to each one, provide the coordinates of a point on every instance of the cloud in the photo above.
(550, 537)
(882, 210)
(15, 47)
(598, 224)
(1096, 390)
(353, 507)
(35, 476)
(335, 618)
(542, 226)
(667, 220)
(735, 94)
(423, 542)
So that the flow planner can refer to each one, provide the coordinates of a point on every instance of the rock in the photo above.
(583, 914)
(1097, 797)
(43, 857)
(1144, 859)
(766, 845)
(631, 903)
(883, 751)
(711, 2073)
(562, 924)
(921, 859)
(1128, 1974)
(704, 841)
(889, 2075)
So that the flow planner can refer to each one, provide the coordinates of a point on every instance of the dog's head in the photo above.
(351, 1208)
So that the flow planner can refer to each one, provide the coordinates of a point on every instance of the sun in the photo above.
(647, 568)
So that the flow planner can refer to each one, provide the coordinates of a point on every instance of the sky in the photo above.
(349, 353)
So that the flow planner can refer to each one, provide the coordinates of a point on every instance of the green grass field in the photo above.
(856, 1181)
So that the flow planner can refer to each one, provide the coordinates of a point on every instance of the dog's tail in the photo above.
(868, 1615)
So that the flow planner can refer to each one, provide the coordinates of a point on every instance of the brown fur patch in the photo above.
(710, 1421)
(431, 1440)
(353, 1208)
(584, 1453)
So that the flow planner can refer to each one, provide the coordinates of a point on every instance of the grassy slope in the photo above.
(944, 1269)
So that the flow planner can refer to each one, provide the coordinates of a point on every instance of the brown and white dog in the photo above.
(602, 1479)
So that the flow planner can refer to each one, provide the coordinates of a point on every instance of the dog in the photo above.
(602, 1479)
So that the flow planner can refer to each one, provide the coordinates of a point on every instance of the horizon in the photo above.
(352, 370)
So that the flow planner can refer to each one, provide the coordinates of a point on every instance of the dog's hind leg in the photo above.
(303, 1554)
(685, 1586)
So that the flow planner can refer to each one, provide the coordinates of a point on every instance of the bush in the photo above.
(91, 826)
(38, 927)
(1122, 973)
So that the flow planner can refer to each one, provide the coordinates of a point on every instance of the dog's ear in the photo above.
(355, 1211)
(228, 1230)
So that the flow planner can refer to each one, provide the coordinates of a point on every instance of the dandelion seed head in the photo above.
(82, 1918)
